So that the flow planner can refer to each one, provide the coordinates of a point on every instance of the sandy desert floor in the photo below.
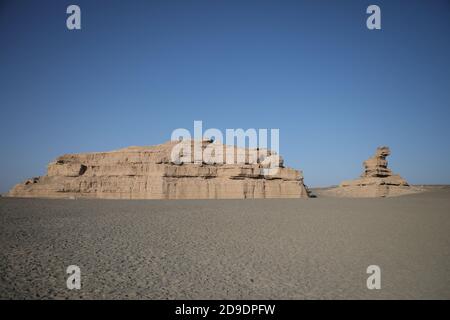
(227, 249)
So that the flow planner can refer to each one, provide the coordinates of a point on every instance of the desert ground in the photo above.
(315, 248)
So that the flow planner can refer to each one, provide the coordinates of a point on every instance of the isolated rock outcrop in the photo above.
(377, 180)
(153, 173)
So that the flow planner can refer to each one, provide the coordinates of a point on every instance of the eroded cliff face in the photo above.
(377, 180)
(154, 173)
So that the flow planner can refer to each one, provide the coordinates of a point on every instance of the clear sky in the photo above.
(137, 70)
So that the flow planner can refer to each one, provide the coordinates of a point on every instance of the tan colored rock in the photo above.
(152, 173)
(377, 180)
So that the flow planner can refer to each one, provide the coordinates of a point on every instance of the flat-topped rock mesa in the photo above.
(377, 180)
(153, 173)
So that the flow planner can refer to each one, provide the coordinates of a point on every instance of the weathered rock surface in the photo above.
(151, 173)
(377, 180)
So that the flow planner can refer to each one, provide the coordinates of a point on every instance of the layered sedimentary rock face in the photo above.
(167, 171)
(377, 179)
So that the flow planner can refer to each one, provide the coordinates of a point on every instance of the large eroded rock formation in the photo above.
(153, 173)
(377, 180)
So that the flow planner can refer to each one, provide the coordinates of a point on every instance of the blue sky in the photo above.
(140, 69)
